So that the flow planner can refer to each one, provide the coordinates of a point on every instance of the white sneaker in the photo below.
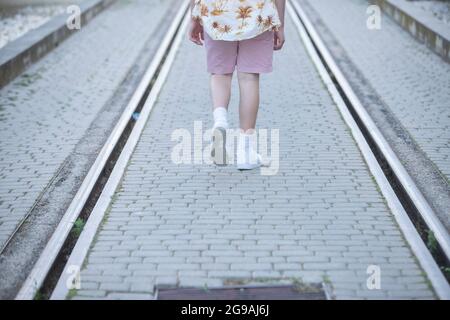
(219, 142)
(247, 157)
(252, 165)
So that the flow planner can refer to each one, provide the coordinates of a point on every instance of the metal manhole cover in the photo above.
(290, 292)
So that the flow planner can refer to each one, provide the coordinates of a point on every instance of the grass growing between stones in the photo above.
(72, 294)
(78, 227)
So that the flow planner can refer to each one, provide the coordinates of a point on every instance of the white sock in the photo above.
(220, 117)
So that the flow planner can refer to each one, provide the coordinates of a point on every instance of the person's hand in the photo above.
(195, 32)
(278, 39)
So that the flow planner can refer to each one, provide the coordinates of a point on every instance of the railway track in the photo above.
(127, 129)
(54, 268)
(395, 183)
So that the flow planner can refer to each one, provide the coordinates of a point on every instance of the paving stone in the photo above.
(46, 111)
(290, 219)
(408, 77)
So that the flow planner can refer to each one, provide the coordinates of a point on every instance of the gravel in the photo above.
(16, 22)
(440, 9)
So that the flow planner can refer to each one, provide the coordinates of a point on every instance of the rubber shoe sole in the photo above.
(250, 166)
(218, 151)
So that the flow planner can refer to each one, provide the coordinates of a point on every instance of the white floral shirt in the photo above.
(232, 20)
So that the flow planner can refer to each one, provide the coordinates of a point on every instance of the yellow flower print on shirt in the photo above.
(233, 20)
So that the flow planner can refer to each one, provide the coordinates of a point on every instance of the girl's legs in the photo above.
(249, 100)
(221, 93)
(247, 157)
(221, 90)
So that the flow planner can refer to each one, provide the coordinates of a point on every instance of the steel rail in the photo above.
(417, 198)
(329, 69)
(84, 242)
(48, 256)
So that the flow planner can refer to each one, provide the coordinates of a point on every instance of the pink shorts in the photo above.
(252, 55)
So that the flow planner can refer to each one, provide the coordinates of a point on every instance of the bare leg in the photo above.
(221, 93)
(249, 100)
(221, 90)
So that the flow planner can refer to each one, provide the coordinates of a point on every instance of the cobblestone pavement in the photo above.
(412, 80)
(321, 218)
(45, 112)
